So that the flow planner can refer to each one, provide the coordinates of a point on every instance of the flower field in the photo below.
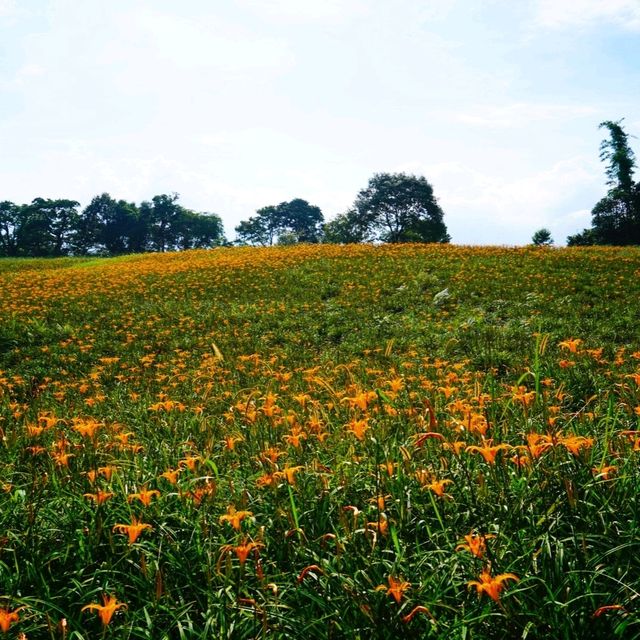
(411, 441)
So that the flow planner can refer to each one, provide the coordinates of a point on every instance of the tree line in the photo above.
(106, 226)
(393, 207)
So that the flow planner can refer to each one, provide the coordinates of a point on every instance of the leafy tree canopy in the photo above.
(105, 227)
(397, 207)
(542, 238)
(616, 217)
(286, 223)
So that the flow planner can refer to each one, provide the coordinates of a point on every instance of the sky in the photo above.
(239, 104)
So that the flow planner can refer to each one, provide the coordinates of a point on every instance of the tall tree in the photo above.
(290, 222)
(255, 231)
(615, 218)
(47, 227)
(165, 221)
(199, 230)
(106, 225)
(619, 156)
(9, 223)
(301, 220)
(398, 207)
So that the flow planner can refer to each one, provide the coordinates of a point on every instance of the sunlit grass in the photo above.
(313, 442)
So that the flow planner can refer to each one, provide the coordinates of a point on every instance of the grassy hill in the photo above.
(321, 442)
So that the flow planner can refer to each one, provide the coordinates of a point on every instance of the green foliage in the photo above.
(286, 223)
(9, 223)
(585, 238)
(542, 238)
(615, 218)
(619, 156)
(46, 227)
(347, 228)
(104, 227)
(400, 208)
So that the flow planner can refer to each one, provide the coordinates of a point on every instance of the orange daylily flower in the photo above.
(456, 446)
(234, 518)
(490, 585)
(241, 550)
(230, 441)
(395, 589)
(266, 480)
(575, 443)
(361, 400)
(34, 431)
(99, 497)
(604, 472)
(295, 437)
(171, 475)
(133, 530)
(438, 486)
(144, 496)
(489, 451)
(475, 544)
(86, 427)
(358, 428)
(61, 458)
(537, 444)
(190, 462)
(381, 526)
(7, 618)
(571, 344)
(198, 494)
(289, 473)
(107, 472)
(271, 454)
(107, 609)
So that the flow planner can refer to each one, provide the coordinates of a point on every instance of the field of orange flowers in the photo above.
(321, 442)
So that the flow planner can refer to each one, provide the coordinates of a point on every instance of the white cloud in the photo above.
(521, 114)
(581, 215)
(21, 77)
(7, 8)
(206, 42)
(482, 207)
(308, 10)
(559, 14)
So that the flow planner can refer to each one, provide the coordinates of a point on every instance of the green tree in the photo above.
(106, 225)
(199, 230)
(615, 218)
(165, 221)
(542, 238)
(47, 227)
(287, 223)
(301, 220)
(619, 156)
(261, 229)
(396, 207)
(347, 228)
(9, 222)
